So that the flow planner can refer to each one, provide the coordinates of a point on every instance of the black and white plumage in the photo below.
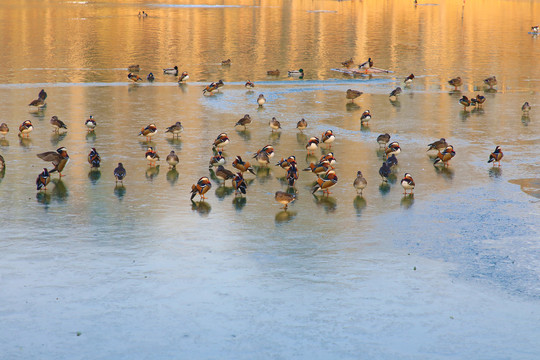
(407, 183)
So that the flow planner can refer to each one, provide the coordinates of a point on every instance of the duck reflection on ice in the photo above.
(43, 197)
(495, 172)
(328, 203)
(223, 191)
(175, 142)
(94, 175)
(202, 207)
(172, 176)
(359, 204)
(120, 191)
(239, 202)
(152, 172)
(446, 172)
(407, 201)
(59, 192)
(285, 216)
(57, 137)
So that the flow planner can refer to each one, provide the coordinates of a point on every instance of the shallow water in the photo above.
(90, 270)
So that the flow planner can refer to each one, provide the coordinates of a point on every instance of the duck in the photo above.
(171, 71)
(438, 145)
(445, 156)
(262, 158)
(535, 28)
(366, 65)
(246, 120)
(465, 102)
(366, 116)
(326, 182)
(134, 68)
(455, 82)
(393, 148)
(4, 129)
(42, 94)
(268, 149)
(395, 93)
(120, 173)
(241, 165)
(150, 77)
(219, 84)
(172, 160)
(221, 141)
(385, 171)
(134, 77)
(312, 145)
(224, 174)
(217, 159)
(43, 179)
(201, 187)
(496, 156)
(152, 156)
(284, 164)
(352, 94)
(284, 198)
(392, 161)
(408, 80)
(94, 159)
(249, 85)
(292, 175)
(239, 184)
(57, 124)
(318, 168)
(301, 124)
(90, 123)
(348, 63)
(490, 81)
(299, 72)
(226, 62)
(261, 100)
(525, 108)
(39, 103)
(328, 138)
(210, 88)
(359, 183)
(274, 124)
(148, 131)
(480, 100)
(330, 158)
(383, 139)
(183, 77)
(175, 129)
(407, 183)
(25, 128)
(58, 158)
(273, 72)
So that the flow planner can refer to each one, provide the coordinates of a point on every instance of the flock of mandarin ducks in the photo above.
(323, 169)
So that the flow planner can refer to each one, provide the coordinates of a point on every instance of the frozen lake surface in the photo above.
(93, 271)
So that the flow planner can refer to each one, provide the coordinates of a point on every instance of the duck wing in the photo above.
(50, 156)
